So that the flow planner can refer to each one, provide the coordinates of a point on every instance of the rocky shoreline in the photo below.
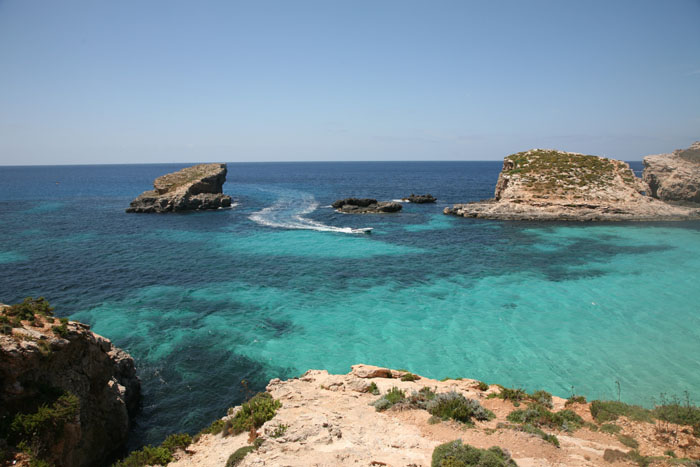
(88, 388)
(378, 416)
(547, 185)
(199, 187)
(675, 176)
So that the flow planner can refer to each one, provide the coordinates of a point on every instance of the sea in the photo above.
(212, 305)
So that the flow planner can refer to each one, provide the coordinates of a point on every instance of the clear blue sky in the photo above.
(98, 81)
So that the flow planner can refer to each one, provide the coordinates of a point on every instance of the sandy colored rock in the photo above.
(675, 176)
(545, 184)
(329, 423)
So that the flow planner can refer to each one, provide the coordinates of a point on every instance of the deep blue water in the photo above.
(276, 285)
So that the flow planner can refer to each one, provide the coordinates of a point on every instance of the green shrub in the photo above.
(409, 377)
(628, 441)
(261, 408)
(533, 430)
(373, 389)
(215, 428)
(177, 441)
(575, 400)
(508, 394)
(279, 431)
(608, 411)
(393, 396)
(236, 458)
(61, 330)
(148, 455)
(43, 427)
(542, 397)
(419, 399)
(670, 453)
(30, 307)
(538, 415)
(481, 386)
(610, 428)
(681, 414)
(455, 406)
(457, 454)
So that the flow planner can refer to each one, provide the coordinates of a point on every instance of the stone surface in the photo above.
(420, 199)
(547, 184)
(329, 422)
(366, 206)
(33, 359)
(198, 187)
(675, 176)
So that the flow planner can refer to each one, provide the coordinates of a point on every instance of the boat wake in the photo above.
(289, 210)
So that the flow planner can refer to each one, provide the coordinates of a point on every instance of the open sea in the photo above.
(278, 285)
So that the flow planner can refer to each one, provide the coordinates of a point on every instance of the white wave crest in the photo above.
(288, 213)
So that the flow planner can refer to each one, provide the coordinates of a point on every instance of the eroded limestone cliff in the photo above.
(544, 184)
(675, 176)
(192, 188)
(66, 393)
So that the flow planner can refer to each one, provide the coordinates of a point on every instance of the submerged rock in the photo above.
(420, 199)
(675, 176)
(542, 184)
(365, 206)
(193, 188)
(89, 387)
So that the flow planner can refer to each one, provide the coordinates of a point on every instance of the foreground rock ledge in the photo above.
(546, 184)
(193, 188)
(675, 176)
(329, 422)
(35, 361)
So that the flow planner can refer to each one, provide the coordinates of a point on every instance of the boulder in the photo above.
(675, 176)
(420, 199)
(198, 187)
(365, 206)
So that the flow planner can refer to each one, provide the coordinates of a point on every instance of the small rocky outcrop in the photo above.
(366, 206)
(675, 176)
(87, 387)
(420, 199)
(544, 184)
(193, 188)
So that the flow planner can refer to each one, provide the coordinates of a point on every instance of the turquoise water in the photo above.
(276, 285)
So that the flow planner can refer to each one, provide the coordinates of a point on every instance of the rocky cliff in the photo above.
(675, 176)
(382, 417)
(543, 184)
(193, 188)
(66, 393)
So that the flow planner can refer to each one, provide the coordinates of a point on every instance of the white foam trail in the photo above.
(288, 213)
(399, 201)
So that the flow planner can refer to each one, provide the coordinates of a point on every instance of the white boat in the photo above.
(363, 230)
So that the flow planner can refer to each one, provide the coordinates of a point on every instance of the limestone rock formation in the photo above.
(365, 205)
(675, 176)
(193, 188)
(89, 386)
(542, 184)
(329, 420)
(420, 199)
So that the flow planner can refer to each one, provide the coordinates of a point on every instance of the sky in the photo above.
(133, 81)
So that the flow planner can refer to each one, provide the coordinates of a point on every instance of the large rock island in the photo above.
(675, 176)
(193, 188)
(66, 394)
(545, 184)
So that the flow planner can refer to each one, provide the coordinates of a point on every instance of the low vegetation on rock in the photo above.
(156, 455)
(458, 454)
